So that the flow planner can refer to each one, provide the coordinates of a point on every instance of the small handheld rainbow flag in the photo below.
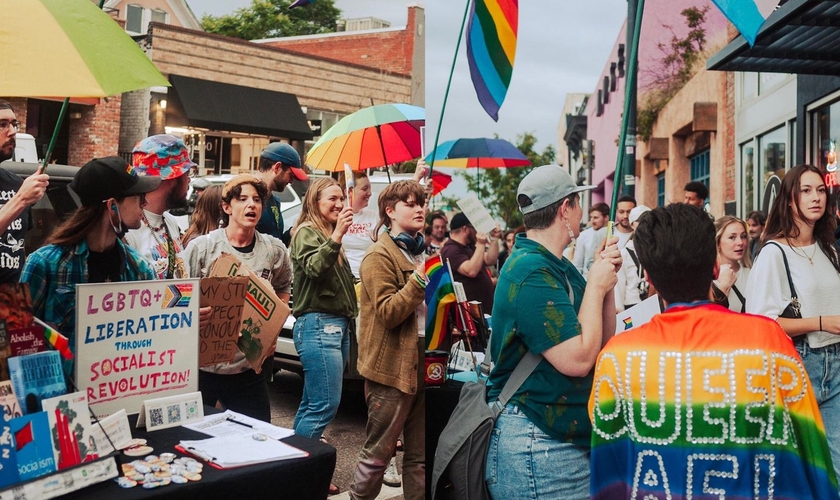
(57, 340)
(491, 48)
(439, 294)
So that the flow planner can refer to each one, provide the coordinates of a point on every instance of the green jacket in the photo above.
(320, 283)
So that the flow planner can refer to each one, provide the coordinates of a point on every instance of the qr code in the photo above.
(191, 409)
(173, 413)
(156, 416)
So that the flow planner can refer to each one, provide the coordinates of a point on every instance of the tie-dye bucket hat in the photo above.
(163, 156)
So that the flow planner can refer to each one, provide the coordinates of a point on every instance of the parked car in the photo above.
(25, 149)
(54, 207)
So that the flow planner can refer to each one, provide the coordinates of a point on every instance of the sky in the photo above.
(562, 47)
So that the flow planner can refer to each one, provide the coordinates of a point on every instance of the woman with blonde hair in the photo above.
(207, 215)
(324, 305)
(732, 243)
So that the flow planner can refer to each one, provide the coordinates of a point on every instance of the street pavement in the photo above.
(346, 433)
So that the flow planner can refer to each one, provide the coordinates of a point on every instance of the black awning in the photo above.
(801, 36)
(233, 108)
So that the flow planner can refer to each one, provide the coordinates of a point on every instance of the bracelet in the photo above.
(419, 279)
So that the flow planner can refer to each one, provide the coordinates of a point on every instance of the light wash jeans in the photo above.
(323, 343)
(525, 462)
(823, 367)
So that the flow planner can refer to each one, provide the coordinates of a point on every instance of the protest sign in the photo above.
(217, 338)
(263, 315)
(478, 215)
(134, 339)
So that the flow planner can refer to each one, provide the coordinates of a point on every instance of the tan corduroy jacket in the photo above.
(387, 336)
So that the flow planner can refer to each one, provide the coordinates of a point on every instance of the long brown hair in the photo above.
(77, 226)
(207, 214)
(310, 215)
(721, 224)
(781, 221)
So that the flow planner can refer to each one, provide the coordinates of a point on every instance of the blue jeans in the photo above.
(823, 367)
(323, 343)
(525, 462)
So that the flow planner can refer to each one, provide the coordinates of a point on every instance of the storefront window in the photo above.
(748, 181)
(773, 158)
(749, 85)
(828, 134)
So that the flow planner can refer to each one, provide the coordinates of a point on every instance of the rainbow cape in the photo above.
(439, 294)
(491, 48)
(703, 402)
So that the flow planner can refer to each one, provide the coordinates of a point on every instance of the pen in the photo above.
(201, 455)
(230, 419)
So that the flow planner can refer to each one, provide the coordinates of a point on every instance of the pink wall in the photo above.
(605, 129)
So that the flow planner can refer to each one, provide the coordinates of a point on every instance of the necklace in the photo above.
(803, 254)
(160, 238)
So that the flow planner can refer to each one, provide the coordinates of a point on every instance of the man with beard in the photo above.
(468, 255)
(279, 164)
(622, 219)
(16, 197)
(438, 235)
(159, 239)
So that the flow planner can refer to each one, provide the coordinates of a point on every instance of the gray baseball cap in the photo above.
(545, 185)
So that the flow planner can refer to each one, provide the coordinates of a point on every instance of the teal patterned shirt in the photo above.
(532, 311)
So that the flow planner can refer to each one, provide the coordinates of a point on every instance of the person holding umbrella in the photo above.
(16, 197)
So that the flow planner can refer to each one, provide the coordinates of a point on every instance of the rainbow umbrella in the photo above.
(371, 137)
(480, 152)
(68, 48)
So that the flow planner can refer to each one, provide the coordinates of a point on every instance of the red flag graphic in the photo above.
(24, 436)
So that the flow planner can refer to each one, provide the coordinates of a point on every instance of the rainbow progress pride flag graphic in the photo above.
(491, 48)
(439, 294)
(703, 402)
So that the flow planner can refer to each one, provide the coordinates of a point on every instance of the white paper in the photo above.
(219, 424)
(237, 450)
(478, 215)
(118, 429)
(637, 315)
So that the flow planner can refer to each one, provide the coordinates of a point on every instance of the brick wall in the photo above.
(96, 133)
(19, 107)
(319, 83)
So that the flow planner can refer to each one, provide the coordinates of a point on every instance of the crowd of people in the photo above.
(730, 390)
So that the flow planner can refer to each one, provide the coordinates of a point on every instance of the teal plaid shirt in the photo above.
(53, 272)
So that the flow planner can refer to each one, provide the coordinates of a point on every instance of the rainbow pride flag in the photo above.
(439, 294)
(703, 402)
(491, 48)
(57, 340)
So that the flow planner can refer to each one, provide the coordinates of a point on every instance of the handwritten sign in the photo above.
(217, 338)
(134, 339)
(479, 217)
(263, 315)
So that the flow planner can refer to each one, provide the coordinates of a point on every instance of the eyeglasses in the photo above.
(4, 125)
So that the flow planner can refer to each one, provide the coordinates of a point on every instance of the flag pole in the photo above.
(446, 94)
(629, 84)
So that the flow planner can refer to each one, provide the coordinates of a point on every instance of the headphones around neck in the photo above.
(414, 246)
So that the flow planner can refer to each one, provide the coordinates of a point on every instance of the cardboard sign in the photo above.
(217, 338)
(263, 315)
(134, 339)
(479, 217)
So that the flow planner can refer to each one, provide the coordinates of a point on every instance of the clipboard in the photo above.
(237, 452)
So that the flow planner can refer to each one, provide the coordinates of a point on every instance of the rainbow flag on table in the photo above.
(703, 399)
(491, 48)
(57, 340)
(439, 294)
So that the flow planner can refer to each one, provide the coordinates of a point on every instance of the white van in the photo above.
(25, 150)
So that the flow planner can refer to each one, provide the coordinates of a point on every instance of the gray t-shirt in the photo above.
(269, 260)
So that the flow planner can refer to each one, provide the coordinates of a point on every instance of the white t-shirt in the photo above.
(358, 237)
(627, 287)
(768, 292)
(623, 238)
(741, 280)
(587, 243)
(154, 244)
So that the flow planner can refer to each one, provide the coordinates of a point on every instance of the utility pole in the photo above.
(630, 159)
